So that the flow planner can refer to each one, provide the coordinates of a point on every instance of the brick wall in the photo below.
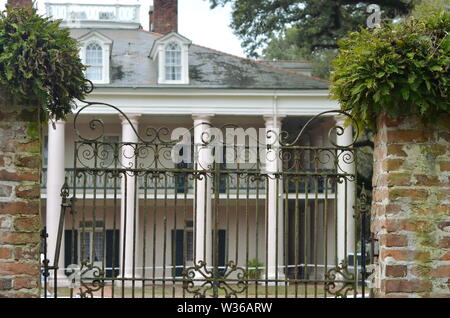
(20, 221)
(411, 208)
(19, 3)
(165, 16)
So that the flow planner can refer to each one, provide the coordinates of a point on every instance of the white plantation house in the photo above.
(140, 216)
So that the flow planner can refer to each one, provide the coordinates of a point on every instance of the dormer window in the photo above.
(95, 54)
(172, 55)
(94, 62)
(173, 62)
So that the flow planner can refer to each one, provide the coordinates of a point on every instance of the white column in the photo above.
(345, 193)
(203, 189)
(275, 213)
(55, 181)
(130, 199)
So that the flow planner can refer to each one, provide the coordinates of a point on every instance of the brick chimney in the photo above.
(19, 3)
(164, 16)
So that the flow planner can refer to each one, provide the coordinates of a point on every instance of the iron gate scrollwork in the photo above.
(139, 224)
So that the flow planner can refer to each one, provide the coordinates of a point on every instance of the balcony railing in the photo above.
(93, 13)
(182, 182)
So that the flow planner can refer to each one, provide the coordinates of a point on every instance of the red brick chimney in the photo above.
(19, 3)
(164, 16)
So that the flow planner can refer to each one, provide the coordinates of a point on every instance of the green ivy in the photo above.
(402, 69)
(39, 63)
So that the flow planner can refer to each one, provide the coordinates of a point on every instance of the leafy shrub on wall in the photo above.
(402, 69)
(39, 63)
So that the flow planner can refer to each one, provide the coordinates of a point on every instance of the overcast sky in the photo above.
(196, 21)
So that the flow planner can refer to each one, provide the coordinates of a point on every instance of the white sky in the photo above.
(196, 21)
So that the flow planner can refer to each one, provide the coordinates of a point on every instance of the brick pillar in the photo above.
(411, 208)
(164, 17)
(20, 223)
(19, 3)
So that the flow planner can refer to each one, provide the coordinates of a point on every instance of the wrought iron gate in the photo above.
(135, 224)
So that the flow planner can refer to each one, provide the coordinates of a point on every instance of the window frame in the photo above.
(158, 54)
(101, 66)
(106, 45)
(175, 64)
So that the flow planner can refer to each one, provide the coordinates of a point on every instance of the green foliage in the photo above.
(39, 63)
(286, 47)
(255, 269)
(318, 22)
(427, 7)
(401, 68)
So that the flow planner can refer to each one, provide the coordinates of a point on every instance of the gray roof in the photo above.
(131, 66)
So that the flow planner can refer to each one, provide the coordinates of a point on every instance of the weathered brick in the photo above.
(392, 164)
(5, 190)
(5, 253)
(396, 151)
(400, 136)
(444, 226)
(5, 222)
(28, 191)
(394, 240)
(410, 193)
(28, 161)
(27, 252)
(380, 195)
(15, 268)
(27, 224)
(21, 175)
(443, 194)
(15, 238)
(429, 181)
(396, 270)
(398, 179)
(445, 257)
(5, 283)
(445, 166)
(30, 207)
(405, 255)
(441, 271)
(406, 286)
(445, 242)
(25, 282)
(30, 147)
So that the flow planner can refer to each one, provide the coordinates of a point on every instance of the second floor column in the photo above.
(202, 190)
(55, 181)
(129, 233)
(275, 213)
(345, 193)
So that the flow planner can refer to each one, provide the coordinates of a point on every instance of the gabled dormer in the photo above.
(172, 55)
(96, 54)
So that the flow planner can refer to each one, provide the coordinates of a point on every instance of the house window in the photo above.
(94, 61)
(93, 243)
(173, 62)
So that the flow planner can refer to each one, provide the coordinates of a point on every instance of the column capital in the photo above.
(340, 119)
(134, 118)
(52, 124)
(273, 121)
(203, 117)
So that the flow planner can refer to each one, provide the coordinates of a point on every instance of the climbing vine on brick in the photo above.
(39, 63)
(403, 69)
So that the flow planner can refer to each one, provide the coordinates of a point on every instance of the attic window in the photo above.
(171, 52)
(173, 62)
(94, 61)
(96, 53)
